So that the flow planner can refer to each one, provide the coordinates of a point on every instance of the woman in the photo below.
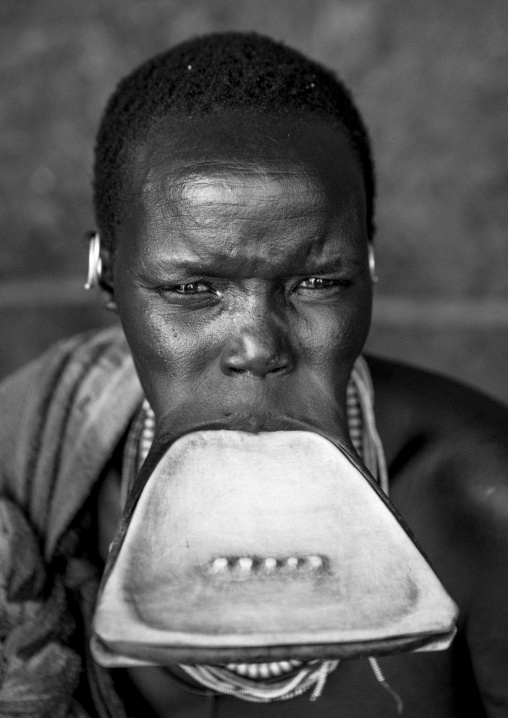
(234, 198)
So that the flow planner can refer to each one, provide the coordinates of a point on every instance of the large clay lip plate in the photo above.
(335, 623)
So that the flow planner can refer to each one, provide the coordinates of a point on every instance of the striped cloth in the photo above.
(62, 417)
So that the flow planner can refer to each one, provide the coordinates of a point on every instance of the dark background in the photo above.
(430, 77)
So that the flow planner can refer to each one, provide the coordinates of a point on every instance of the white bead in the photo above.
(253, 670)
(275, 669)
(285, 666)
(270, 564)
(219, 565)
(315, 561)
(245, 564)
(292, 562)
(295, 663)
(242, 668)
(264, 670)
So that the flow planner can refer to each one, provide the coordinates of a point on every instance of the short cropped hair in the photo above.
(206, 76)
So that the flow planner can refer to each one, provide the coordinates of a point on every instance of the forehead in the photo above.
(207, 175)
(318, 148)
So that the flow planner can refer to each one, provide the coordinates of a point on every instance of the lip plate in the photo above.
(200, 643)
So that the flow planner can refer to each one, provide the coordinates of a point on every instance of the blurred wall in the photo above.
(431, 79)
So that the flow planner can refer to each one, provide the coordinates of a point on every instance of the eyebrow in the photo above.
(328, 265)
(309, 266)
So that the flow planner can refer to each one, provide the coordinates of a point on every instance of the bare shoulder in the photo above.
(447, 450)
(411, 401)
(455, 430)
(445, 440)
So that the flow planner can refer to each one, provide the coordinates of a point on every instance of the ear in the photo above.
(100, 270)
(106, 281)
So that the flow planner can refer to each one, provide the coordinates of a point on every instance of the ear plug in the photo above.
(372, 264)
(94, 261)
(95, 270)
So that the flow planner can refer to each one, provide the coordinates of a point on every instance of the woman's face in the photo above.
(241, 273)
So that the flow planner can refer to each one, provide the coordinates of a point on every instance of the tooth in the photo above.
(295, 663)
(270, 564)
(285, 666)
(292, 562)
(242, 669)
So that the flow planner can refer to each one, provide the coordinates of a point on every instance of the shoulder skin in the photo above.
(447, 450)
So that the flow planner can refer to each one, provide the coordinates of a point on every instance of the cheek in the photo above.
(169, 353)
(334, 336)
(172, 351)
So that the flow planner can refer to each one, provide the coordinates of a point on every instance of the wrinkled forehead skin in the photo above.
(241, 271)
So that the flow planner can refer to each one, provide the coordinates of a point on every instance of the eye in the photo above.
(318, 283)
(321, 288)
(190, 293)
(191, 288)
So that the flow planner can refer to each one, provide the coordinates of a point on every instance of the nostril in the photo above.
(260, 372)
(277, 369)
(255, 356)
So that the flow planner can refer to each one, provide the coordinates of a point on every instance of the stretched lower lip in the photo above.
(256, 423)
(175, 424)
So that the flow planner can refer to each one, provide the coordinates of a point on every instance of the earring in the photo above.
(372, 265)
(94, 261)
(95, 271)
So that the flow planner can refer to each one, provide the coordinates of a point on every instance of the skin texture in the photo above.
(241, 274)
(241, 279)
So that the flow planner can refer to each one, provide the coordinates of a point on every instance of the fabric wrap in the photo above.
(61, 418)
(38, 672)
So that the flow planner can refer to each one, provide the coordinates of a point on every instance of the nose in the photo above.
(260, 352)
